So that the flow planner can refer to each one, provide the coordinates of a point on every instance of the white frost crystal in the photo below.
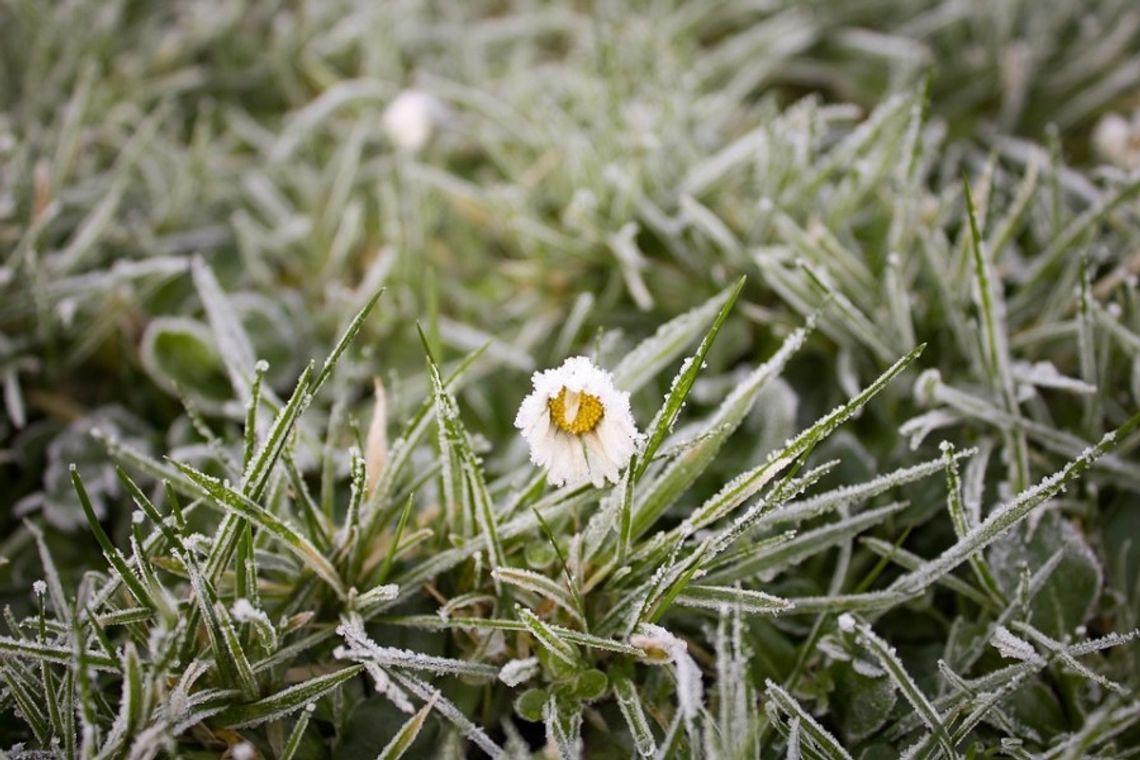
(578, 424)
(517, 671)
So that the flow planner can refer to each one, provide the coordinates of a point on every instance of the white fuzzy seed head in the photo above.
(411, 118)
(1116, 139)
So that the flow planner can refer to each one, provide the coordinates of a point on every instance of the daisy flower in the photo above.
(578, 424)
(411, 118)
(1117, 139)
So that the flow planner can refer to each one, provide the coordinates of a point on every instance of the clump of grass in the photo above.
(881, 335)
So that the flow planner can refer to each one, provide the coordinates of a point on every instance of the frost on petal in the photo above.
(578, 424)
(660, 646)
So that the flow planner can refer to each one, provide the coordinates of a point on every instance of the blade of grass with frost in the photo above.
(350, 530)
(51, 574)
(854, 321)
(807, 440)
(1101, 726)
(687, 467)
(563, 727)
(550, 638)
(407, 734)
(539, 584)
(132, 709)
(256, 478)
(744, 486)
(229, 656)
(21, 693)
(436, 623)
(1027, 591)
(909, 561)
(890, 661)
(55, 654)
(846, 152)
(1058, 441)
(748, 601)
(654, 353)
(1015, 217)
(298, 733)
(447, 709)
(996, 349)
(1062, 653)
(1046, 262)
(1004, 517)
(961, 523)
(242, 506)
(402, 448)
(631, 709)
(113, 556)
(985, 707)
(466, 483)
(361, 648)
(233, 344)
(253, 406)
(286, 701)
(795, 551)
(957, 702)
(666, 416)
(820, 248)
(667, 586)
(827, 744)
(797, 511)
(788, 488)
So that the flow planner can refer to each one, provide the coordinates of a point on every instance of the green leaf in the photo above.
(750, 602)
(666, 417)
(827, 745)
(113, 556)
(630, 703)
(285, 701)
(685, 469)
(406, 735)
(1071, 592)
(242, 506)
(653, 354)
(861, 703)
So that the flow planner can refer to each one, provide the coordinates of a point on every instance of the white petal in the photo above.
(602, 466)
(570, 459)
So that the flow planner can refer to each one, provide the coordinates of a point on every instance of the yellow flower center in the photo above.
(576, 412)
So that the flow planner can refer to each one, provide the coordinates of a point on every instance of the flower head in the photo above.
(1117, 140)
(578, 424)
(411, 118)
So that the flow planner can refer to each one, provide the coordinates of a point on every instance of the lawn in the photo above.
(510, 378)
